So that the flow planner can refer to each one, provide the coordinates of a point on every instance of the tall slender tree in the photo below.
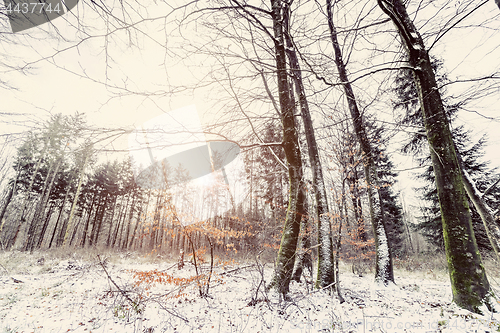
(295, 211)
(470, 286)
(84, 159)
(325, 274)
(383, 266)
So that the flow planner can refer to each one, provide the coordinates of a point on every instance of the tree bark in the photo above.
(353, 179)
(8, 199)
(112, 219)
(295, 210)
(131, 215)
(344, 216)
(99, 216)
(75, 200)
(139, 219)
(325, 274)
(45, 225)
(86, 227)
(471, 289)
(22, 219)
(383, 266)
(33, 226)
(45, 199)
(121, 221)
(61, 210)
(304, 260)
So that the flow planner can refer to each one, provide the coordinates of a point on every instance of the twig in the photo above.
(211, 264)
(237, 269)
(326, 287)
(16, 280)
(13, 279)
(194, 261)
(5, 269)
(169, 267)
(171, 312)
(114, 283)
(491, 187)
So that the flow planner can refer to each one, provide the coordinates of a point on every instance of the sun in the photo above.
(207, 181)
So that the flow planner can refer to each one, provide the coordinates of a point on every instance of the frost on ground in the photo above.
(75, 295)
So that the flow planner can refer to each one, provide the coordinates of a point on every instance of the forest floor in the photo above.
(46, 292)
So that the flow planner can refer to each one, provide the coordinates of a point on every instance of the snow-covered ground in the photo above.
(72, 294)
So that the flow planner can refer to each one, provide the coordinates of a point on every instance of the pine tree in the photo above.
(392, 208)
(470, 286)
(429, 222)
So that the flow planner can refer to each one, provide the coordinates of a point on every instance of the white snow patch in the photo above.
(55, 298)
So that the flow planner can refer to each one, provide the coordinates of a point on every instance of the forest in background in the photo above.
(317, 194)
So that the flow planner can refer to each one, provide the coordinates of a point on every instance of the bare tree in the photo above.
(383, 267)
(325, 276)
(295, 211)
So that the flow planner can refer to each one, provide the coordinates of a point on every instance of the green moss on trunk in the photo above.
(470, 286)
(295, 211)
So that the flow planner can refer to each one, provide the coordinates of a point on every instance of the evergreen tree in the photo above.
(392, 208)
(429, 223)
(470, 287)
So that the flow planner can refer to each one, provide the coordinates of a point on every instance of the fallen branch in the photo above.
(16, 280)
(134, 304)
(236, 269)
(171, 312)
(324, 288)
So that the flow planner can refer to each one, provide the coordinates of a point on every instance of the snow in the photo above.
(383, 252)
(73, 294)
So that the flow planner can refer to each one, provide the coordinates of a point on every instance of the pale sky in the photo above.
(149, 63)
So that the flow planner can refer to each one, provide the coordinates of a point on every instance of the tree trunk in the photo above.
(86, 227)
(75, 201)
(44, 227)
(383, 266)
(121, 222)
(304, 261)
(98, 217)
(139, 219)
(325, 274)
(111, 220)
(75, 231)
(352, 180)
(61, 210)
(344, 216)
(12, 242)
(45, 199)
(295, 211)
(156, 221)
(471, 289)
(8, 199)
(33, 226)
(131, 215)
